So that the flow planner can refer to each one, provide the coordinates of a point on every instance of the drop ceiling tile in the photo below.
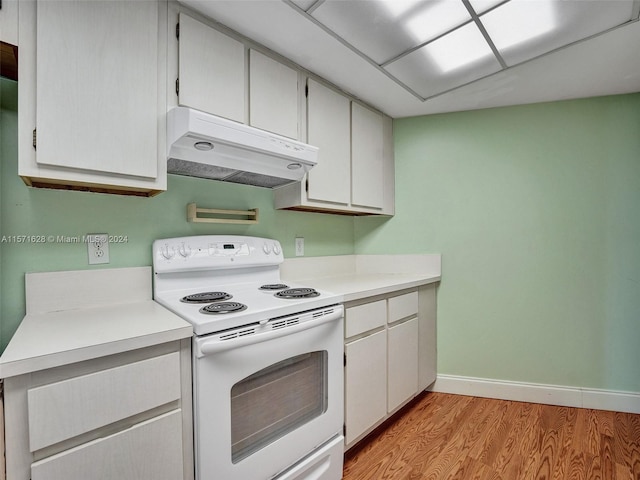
(382, 30)
(304, 4)
(449, 62)
(525, 29)
(481, 6)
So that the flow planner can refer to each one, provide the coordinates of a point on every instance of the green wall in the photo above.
(536, 211)
(28, 211)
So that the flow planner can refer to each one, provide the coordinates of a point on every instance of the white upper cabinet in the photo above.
(367, 166)
(92, 95)
(9, 22)
(211, 70)
(88, 116)
(328, 129)
(273, 95)
(355, 170)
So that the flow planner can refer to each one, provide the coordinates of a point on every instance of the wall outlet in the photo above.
(98, 248)
(299, 246)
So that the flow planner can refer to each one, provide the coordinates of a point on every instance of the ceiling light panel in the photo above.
(430, 19)
(524, 29)
(368, 26)
(385, 29)
(452, 60)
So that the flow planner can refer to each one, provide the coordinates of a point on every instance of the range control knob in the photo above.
(266, 248)
(276, 248)
(184, 250)
(167, 252)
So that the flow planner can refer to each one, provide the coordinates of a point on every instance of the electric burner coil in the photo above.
(296, 293)
(206, 297)
(221, 308)
(274, 286)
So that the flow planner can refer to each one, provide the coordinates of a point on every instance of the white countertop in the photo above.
(74, 331)
(48, 340)
(360, 276)
(358, 286)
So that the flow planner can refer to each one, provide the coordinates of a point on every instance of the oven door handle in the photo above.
(216, 346)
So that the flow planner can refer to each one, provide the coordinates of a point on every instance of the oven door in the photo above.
(268, 395)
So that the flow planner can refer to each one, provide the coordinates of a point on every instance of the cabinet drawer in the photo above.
(403, 306)
(151, 450)
(365, 317)
(62, 410)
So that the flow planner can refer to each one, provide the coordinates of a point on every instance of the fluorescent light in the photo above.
(435, 18)
(519, 21)
(458, 49)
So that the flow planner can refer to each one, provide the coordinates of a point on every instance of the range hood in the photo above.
(206, 146)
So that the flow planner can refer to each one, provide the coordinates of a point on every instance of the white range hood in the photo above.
(206, 146)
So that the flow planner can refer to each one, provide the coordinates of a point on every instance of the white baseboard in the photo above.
(539, 393)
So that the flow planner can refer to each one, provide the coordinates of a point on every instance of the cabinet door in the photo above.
(403, 363)
(328, 121)
(211, 70)
(365, 384)
(427, 342)
(97, 86)
(367, 166)
(9, 22)
(273, 95)
(148, 451)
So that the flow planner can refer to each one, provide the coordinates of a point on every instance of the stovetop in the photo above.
(260, 305)
(198, 277)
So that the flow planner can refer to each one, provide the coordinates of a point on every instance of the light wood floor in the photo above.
(443, 436)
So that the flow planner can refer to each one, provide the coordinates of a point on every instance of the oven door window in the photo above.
(277, 400)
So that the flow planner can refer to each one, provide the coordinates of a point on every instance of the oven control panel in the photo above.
(203, 252)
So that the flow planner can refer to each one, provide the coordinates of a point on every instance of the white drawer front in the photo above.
(62, 410)
(148, 451)
(403, 306)
(365, 317)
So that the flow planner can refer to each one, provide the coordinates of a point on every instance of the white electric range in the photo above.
(267, 359)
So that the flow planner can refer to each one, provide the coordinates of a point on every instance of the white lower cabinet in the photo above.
(402, 363)
(149, 450)
(389, 356)
(366, 381)
(122, 417)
